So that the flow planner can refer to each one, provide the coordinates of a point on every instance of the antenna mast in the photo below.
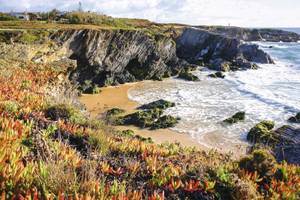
(80, 7)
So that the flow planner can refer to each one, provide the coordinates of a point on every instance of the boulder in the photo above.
(295, 119)
(186, 75)
(150, 117)
(262, 133)
(166, 121)
(220, 65)
(239, 116)
(160, 104)
(217, 75)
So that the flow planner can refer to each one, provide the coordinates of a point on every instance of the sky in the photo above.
(246, 13)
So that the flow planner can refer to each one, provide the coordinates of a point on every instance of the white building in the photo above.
(22, 16)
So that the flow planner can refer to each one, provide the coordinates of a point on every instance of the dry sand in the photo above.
(117, 97)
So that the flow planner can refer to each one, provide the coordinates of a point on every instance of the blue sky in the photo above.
(251, 13)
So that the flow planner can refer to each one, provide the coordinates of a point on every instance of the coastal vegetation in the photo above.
(50, 148)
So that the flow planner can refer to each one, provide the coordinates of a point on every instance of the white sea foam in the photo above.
(271, 92)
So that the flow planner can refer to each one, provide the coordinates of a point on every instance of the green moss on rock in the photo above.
(217, 75)
(186, 75)
(114, 111)
(150, 117)
(262, 133)
(240, 116)
(165, 121)
(160, 104)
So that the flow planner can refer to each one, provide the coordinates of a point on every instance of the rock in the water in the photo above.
(161, 104)
(166, 121)
(217, 75)
(240, 116)
(186, 75)
(220, 65)
(150, 117)
(262, 133)
(295, 119)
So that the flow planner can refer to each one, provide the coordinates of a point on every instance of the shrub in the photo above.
(260, 161)
(98, 141)
(65, 112)
(10, 106)
(6, 17)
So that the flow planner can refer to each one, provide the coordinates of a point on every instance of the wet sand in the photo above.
(117, 97)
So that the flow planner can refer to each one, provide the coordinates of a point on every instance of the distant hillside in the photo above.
(295, 30)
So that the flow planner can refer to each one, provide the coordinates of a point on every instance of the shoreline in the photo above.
(117, 97)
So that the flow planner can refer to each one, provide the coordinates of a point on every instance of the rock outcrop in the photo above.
(108, 57)
(288, 147)
(284, 142)
(247, 34)
(220, 52)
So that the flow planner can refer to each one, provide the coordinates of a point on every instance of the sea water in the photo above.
(270, 93)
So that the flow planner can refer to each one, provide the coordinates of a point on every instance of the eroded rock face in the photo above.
(222, 53)
(110, 57)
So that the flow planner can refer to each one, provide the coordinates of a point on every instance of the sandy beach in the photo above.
(117, 97)
(112, 97)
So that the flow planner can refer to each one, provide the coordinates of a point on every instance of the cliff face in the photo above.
(247, 34)
(118, 56)
(221, 52)
(109, 57)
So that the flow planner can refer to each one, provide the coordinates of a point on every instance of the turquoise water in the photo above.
(269, 93)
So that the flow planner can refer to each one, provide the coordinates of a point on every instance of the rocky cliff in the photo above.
(117, 56)
(247, 34)
(220, 52)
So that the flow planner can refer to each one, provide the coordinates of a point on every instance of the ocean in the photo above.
(269, 93)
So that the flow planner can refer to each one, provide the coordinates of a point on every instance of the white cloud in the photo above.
(254, 13)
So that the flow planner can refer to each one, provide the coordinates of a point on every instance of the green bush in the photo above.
(10, 106)
(261, 161)
(6, 17)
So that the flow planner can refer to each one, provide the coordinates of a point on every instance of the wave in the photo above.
(271, 92)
